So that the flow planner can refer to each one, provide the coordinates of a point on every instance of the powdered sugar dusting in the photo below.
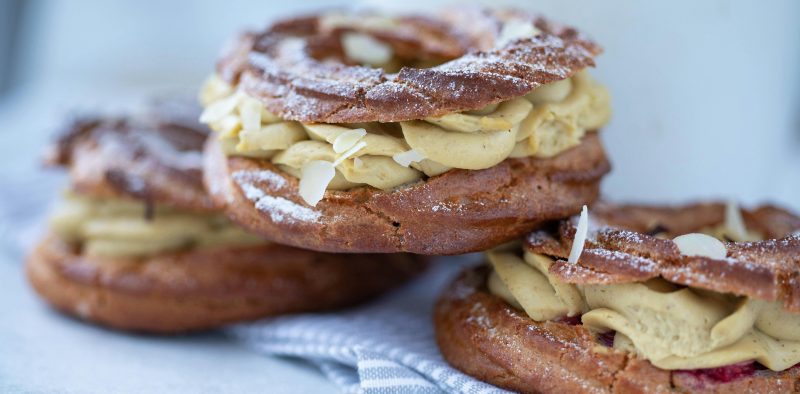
(457, 207)
(755, 269)
(282, 210)
(279, 209)
(444, 207)
(296, 86)
(624, 260)
(272, 179)
(251, 192)
(169, 155)
(626, 236)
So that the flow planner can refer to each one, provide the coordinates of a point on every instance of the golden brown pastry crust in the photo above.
(155, 158)
(202, 289)
(483, 336)
(288, 66)
(622, 249)
(459, 211)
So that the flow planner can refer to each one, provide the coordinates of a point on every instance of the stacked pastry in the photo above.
(366, 133)
(434, 134)
(362, 132)
(137, 244)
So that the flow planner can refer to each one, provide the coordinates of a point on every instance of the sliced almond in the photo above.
(350, 152)
(410, 156)
(696, 244)
(227, 127)
(515, 29)
(580, 236)
(214, 88)
(250, 112)
(221, 108)
(734, 223)
(366, 50)
(348, 139)
(314, 180)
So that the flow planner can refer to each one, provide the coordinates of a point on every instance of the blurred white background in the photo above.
(706, 101)
(706, 94)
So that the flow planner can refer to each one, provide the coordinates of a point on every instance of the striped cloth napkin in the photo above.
(387, 346)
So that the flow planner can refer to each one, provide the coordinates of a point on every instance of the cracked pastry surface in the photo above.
(698, 331)
(544, 123)
(201, 289)
(463, 210)
(138, 245)
(486, 337)
(315, 122)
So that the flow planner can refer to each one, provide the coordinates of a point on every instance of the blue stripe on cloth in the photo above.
(342, 375)
(385, 347)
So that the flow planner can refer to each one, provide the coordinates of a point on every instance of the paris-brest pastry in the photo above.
(136, 243)
(701, 298)
(433, 134)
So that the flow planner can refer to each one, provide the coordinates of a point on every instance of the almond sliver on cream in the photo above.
(696, 244)
(317, 174)
(515, 29)
(219, 109)
(580, 236)
(314, 179)
(410, 156)
(350, 152)
(250, 112)
(734, 223)
(348, 139)
(365, 49)
(214, 88)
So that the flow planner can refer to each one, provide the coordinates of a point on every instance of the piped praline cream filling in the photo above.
(544, 123)
(120, 228)
(674, 327)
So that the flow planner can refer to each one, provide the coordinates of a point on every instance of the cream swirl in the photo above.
(545, 122)
(673, 327)
(120, 228)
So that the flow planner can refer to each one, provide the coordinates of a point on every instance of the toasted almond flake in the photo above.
(410, 156)
(350, 152)
(734, 223)
(227, 127)
(214, 88)
(696, 244)
(515, 29)
(220, 108)
(250, 112)
(314, 179)
(347, 139)
(365, 49)
(580, 236)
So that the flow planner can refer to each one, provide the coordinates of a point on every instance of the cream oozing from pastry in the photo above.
(544, 123)
(120, 228)
(674, 327)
